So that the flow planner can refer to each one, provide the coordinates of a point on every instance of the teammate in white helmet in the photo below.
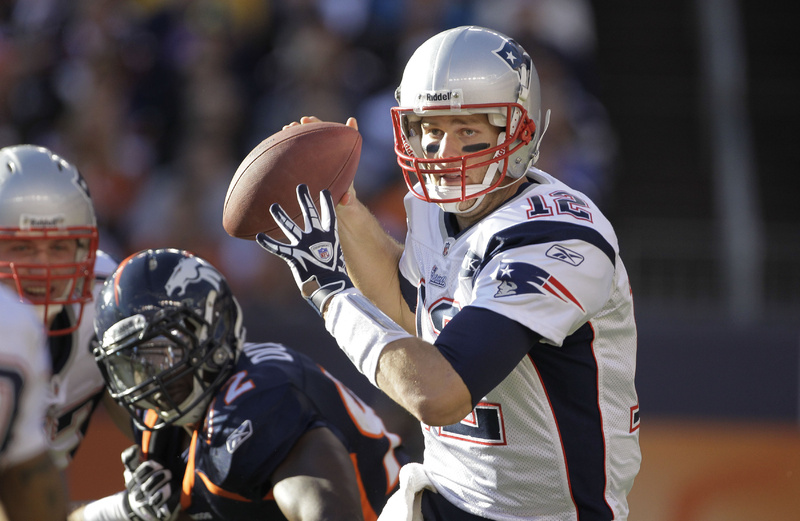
(30, 485)
(505, 322)
(49, 255)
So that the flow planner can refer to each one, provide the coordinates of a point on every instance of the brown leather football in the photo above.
(321, 155)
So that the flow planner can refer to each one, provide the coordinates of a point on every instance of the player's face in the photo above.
(151, 363)
(24, 266)
(454, 136)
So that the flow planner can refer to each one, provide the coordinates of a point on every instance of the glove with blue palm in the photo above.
(315, 254)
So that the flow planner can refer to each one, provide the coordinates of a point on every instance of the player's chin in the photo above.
(468, 206)
(464, 208)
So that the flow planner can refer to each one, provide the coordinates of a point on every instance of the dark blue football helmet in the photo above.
(169, 330)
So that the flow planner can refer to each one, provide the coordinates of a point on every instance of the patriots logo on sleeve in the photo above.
(518, 278)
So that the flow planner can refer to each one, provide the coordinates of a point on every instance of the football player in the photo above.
(30, 485)
(228, 429)
(505, 322)
(49, 255)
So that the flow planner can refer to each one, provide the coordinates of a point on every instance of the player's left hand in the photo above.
(315, 254)
(149, 490)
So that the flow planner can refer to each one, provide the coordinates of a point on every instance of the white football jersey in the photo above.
(24, 370)
(76, 385)
(557, 439)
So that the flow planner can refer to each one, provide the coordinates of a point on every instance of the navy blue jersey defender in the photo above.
(274, 395)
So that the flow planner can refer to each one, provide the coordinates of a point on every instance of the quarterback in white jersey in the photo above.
(49, 255)
(30, 487)
(505, 322)
(551, 433)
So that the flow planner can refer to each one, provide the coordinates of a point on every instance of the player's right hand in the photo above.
(149, 490)
(314, 253)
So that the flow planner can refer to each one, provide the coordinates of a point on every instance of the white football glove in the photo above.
(149, 492)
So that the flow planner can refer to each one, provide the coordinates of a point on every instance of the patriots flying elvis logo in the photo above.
(512, 54)
(517, 278)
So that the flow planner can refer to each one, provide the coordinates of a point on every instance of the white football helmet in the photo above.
(42, 196)
(468, 70)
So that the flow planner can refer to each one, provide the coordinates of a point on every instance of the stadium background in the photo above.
(678, 117)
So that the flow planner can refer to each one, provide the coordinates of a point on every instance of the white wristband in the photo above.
(361, 330)
(107, 509)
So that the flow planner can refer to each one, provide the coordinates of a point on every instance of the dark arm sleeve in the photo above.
(409, 292)
(484, 347)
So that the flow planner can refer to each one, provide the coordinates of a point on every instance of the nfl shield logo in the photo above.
(322, 251)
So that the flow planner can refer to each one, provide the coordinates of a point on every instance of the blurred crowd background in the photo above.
(156, 102)
(675, 117)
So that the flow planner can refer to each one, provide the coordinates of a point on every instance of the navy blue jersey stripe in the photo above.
(436, 508)
(409, 292)
(10, 374)
(61, 345)
(483, 347)
(569, 375)
(543, 232)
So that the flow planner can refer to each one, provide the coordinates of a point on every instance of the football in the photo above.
(321, 155)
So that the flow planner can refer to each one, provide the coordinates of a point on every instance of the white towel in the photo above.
(406, 503)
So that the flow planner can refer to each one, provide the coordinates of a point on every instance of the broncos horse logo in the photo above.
(190, 271)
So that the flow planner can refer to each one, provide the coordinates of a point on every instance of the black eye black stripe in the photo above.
(432, 148)
(477, 147)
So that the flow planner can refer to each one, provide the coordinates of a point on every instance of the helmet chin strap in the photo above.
(488, 177)
(52, 311)
(455, 206)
